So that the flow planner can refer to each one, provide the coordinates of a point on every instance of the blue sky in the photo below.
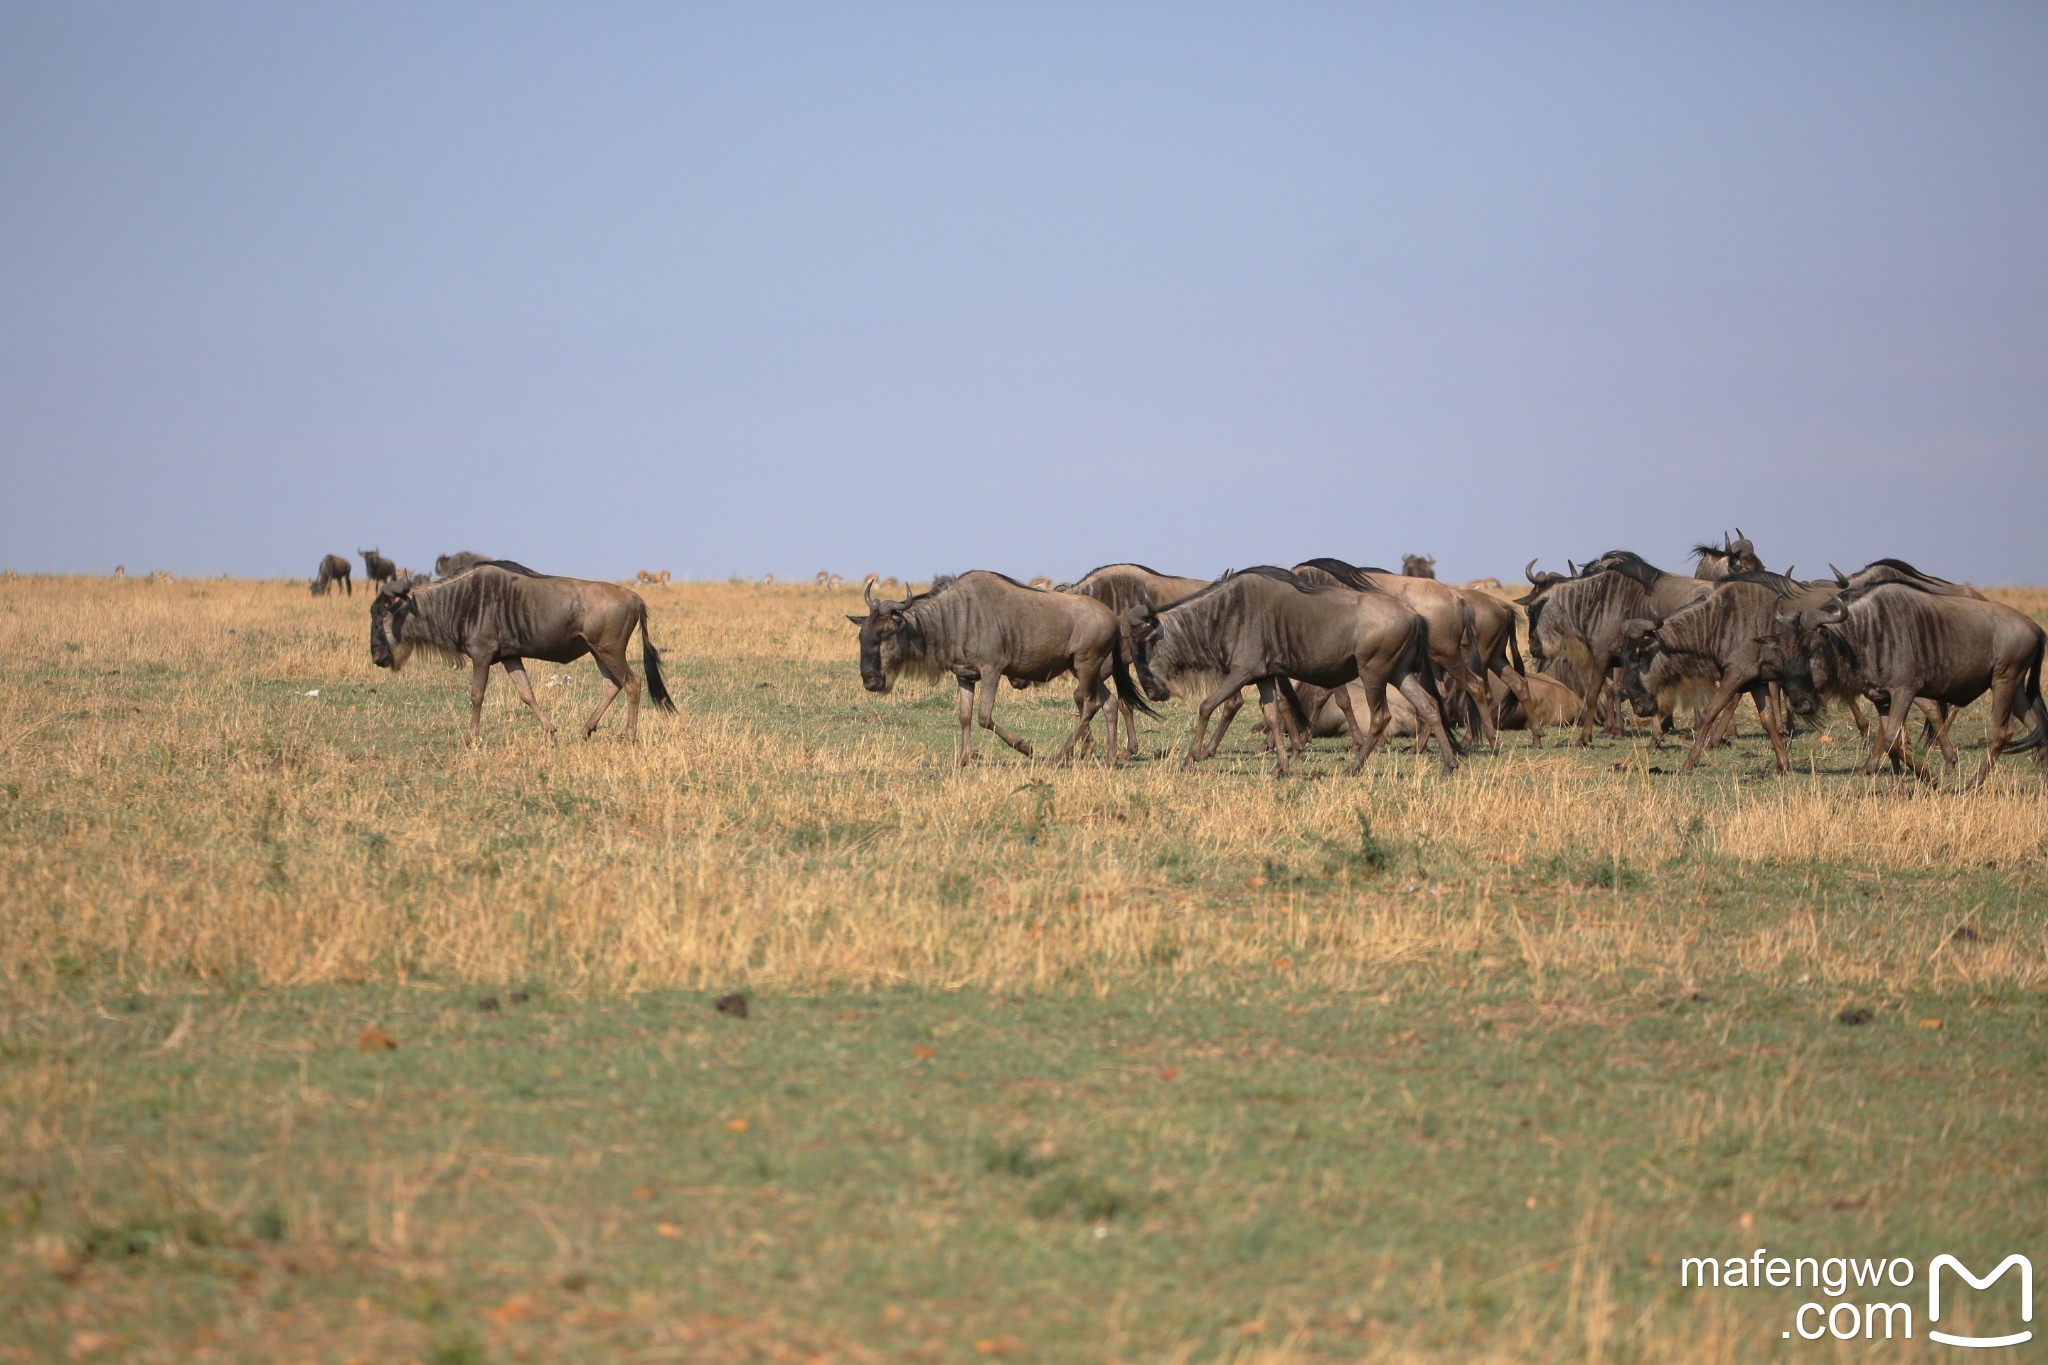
(750, 288)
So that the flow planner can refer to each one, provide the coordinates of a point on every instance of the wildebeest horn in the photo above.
(1573, 567)
(1840, 577)
(1739, 535)
(1726, 548)
(867, 592)
(1529, 571)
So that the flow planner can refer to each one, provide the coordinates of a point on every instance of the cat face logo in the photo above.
(2026, 1269)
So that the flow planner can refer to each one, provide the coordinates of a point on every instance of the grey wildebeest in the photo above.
(983, 627)
(1709, 652)
(1711, 564)
(1895, 642)
(1418, 566)
(1899, 571)
(1265, 625)
(1121, 587)
(498, 613)
(376, 567)
(1453, 632)
(447, 566)
(333, 569)
(1581, 617)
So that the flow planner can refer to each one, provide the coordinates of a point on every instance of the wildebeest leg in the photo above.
(1937, 721)
(1771, 716)
(1898, 708)
(966, 721)
(1589, 704)
(1227, 694)
(1703, 724)
(2005, 683)
(1087, 700)
(1230, 710)
(1281, 733)
(612, 674)
(1363, 740)
(1429, 717)
(991, 679)
(479, 680)
(515, 669)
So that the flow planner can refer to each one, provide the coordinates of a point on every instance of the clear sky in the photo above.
(737, 288)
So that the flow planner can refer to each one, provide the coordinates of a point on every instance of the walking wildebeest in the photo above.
(1709, 653)
(1581, 617)
(333, 568)
(447, 566)
(1121, 587)
(1453, 634)
(498, 614)
(983, 627)
(1264, 625)
(1732, 557)
(376, 567)
(1895, 642)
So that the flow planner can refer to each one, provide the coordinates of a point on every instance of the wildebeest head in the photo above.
(390, 611)
(889, 638)
(1808, 657)
(1146, 664)
(1640, 645)
(1418, 566)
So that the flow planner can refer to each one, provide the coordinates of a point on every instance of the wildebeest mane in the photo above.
(1633, 565)
(1272, 571)
(1907, 569)
(1350, 575)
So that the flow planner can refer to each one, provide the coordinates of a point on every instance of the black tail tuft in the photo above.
(2030, 691)
(1127, 690)
(650, 664)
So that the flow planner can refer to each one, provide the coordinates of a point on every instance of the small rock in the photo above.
(1855, 1014)
(734, 1004)
(519, 997)
(489, 1004)
(1965, 934)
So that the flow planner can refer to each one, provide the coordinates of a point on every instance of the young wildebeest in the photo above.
(1896, 642)
(1264, 624)
(1712, 649)
(376, 567)
(497, 614)
(333, 568)
(1121, 587)
(983, 627)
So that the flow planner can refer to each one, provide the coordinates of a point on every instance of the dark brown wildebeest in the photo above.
(1581, 618)
(1708, 653)
(1730, 558)
(1895, 642)
(333, 569)
(983, 627)
(376, 567)
(1453, 633)
(1418, 566)
(1121, 587)
(1264, 625)
(495, 614)
(447, 566)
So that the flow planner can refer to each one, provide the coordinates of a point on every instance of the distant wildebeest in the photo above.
(1709, 654)
(1121, 587)
(1711, 564)
(447, 566)
(1453, 634)
(1418, 566)
(376, 567)
(497, 614)
(1581, 617)
(1265, 625)
(333, 569)
(983, 627)
(1895, 642)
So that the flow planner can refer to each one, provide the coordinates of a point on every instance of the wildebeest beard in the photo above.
(399, 628)
(892, 645)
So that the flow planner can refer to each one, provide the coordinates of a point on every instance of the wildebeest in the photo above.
(1895, 642)
(497, 614)
(333, 569)
(1453, 632)
(1711, 564)
(1418, 566)
(1899, 571)
(376, 567)
(1709, 652)
(447, 566)
(983, 627)
(1582, 617)
(1121, 587)
(1265, 624)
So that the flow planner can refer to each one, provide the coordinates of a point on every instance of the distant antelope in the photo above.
(767, 580)
(120, 571)
(652, 576)
(160, 576)
(1041, 583)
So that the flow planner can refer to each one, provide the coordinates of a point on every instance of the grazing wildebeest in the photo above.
(1121, 587)
(1453, 633)
(1708, 653)
(333, 569)
(1731, 557)
(1264, 625)
(498, 614)
(1418, 566)
(983, 627)
(447, 566)
(1895, 642)
(1581, 618)
(376, 567)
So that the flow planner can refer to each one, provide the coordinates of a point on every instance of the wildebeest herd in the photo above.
(1332, 648)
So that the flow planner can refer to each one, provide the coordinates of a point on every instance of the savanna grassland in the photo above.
(323, 1037)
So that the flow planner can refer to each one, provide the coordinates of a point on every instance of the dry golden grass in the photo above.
(175, 809)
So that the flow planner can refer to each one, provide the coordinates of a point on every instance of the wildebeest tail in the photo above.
(1416, 661)
(1126, 689)
(2030, 689)
(650, 664)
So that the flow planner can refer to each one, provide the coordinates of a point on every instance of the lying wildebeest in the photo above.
(376, 567)
(1708, 653)
(1121, 587)
(1732, 557)
(1418, 566)
(333, 569)
(983, 627)
(1581, 617)
(1895, 642)
(1453, 633)
(447, 566)
(1264, 625)
(497, 613)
